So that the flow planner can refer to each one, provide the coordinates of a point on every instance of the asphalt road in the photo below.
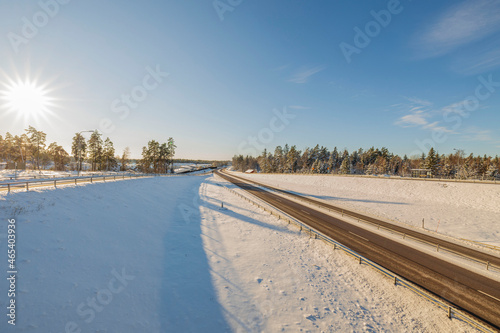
(466, 251)
(473, 292)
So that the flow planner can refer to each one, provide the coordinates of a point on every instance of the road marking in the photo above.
(305, 212)
(482, 292)
(358, 236)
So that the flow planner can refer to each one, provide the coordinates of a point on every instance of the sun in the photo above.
(26, 99)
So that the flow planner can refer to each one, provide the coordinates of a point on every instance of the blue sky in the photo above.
(236, 76)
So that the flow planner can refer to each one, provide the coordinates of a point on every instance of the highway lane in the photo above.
(473, 292)
(466, 251)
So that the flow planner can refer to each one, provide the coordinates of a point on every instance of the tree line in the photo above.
(373, 161)
(31, 149)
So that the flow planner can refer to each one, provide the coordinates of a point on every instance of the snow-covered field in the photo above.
(460, 210)
(161, 255)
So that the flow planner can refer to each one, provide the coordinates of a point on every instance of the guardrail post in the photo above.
(360, 260)
(27, 186)
(91, 179)
(8, 186)
(55, 183)
(487, 265)
(395, 280)
(437, 248)
(423, 224)
(75, 181)
(449, 312)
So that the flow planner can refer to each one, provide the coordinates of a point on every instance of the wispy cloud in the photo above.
(413, 119)
(462, 24)
(436, 127)
(419, 113)
(483, 60)
(303, 75)
(477, 134)
(419, 101)
(299, 107)
(416, 112)
(281, 68)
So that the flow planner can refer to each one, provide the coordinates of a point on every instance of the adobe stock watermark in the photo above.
(254, 145)
(127, 101)
(373, 28)
(223, 6)
(31, 27)
(455, 115)
(87, 310)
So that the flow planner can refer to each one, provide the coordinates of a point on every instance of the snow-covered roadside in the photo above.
(460, 210)
(271, 278)
(161, 255)
(115, 257)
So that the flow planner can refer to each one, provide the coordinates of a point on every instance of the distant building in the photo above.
(421, 173)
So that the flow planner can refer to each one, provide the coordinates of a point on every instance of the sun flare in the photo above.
(27, 99)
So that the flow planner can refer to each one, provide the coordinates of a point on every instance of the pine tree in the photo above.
(8, 146)
(432, 162)
(37, 143)
(79, 149)
(278, 160)
(292, 160)
(335, 160)
(95, 150)
(58, 155)
(171, 153)
(345, 168)
(493, 172)
(263, 162)
(108, 155)
(124, 160)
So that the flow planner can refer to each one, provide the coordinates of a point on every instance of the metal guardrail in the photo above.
(452, 180)
(61, 175)
(25, 185)
(451, 310)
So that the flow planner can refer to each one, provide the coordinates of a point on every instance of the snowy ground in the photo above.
(161, 255)
(460, 210)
